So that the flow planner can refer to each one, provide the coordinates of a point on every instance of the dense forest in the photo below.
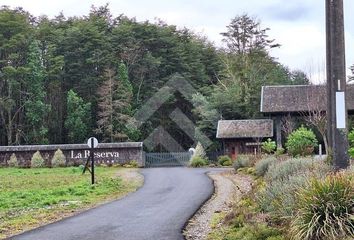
(65, 79)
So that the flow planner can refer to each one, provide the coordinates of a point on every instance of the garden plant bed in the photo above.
(285, 191)
(30, 198)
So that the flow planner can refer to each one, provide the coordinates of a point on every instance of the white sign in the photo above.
(340, 110)
(85, 154)
(191, 151)
(95, 142)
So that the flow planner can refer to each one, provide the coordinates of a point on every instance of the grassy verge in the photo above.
(33, 197)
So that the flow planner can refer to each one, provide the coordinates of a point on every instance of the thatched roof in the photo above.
(245, 128)
(300, 98)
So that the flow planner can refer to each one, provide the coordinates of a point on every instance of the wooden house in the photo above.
(243, 136)
(279, 101)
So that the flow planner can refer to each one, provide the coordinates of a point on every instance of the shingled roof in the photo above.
(245, 128)
(299, 98)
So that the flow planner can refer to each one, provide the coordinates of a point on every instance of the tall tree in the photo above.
(78, 119)
(247, 67)
(50, 34)
(15, 30)
(106, 108)
(35, 106)
(244, 35)
(115, 110)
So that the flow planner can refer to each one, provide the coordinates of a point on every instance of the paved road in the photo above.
(157, 211)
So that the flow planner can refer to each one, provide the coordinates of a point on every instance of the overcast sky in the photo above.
(297, 25)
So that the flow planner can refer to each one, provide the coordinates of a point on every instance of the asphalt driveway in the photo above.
(157, 211)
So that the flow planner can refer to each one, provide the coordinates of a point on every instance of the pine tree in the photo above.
(115, 111)
(15, 30)
(106, 108)
(36, 108)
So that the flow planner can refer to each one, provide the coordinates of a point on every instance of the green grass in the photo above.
(32, 197)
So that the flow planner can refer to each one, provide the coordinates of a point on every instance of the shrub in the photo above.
(134, 163)
(199, 151)
(278, 199)
(292, 166)
(58, 159)
(301, 142)
(198, 162)
(242, 161)
(283, 179)
(263, 165)
(325, 209)
(269, 146)
(279, 151)
(351, 143)
(37, 161)
(225, 160)
(13, 161)
(278, 196)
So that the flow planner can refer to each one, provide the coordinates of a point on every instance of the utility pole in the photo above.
(336, 84)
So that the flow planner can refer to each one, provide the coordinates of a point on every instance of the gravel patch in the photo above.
(131, 175)
(229, 187)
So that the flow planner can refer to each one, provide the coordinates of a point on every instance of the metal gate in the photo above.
(175, 159)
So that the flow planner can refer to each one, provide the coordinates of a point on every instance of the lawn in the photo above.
(33, 197)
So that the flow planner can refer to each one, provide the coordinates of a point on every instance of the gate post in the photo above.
(143, 164)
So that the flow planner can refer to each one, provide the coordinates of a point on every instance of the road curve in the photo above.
(157, 211)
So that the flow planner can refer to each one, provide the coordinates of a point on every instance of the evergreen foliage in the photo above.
(225, 160)
(269, 146)
(301, 142)
(13, 161)
(36, 108)
(114, 65)
(325, 209)
(351, 143)
(199, 151)
(78, 118)
(197, 161)
(58, 159)
(37, 160)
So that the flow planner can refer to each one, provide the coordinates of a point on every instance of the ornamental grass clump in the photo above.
(277, 198)
(37, 160)
(242, 161)
(325, 209)
(198, 162)
(282, 170)
(283, 179)
(13, 161)
(199, 157)
(224, 160)
(263, 165)
(58, 159)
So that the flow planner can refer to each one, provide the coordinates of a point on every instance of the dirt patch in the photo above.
(131, 175)
(229, 188)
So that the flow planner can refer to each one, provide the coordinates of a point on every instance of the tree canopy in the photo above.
(64, 79)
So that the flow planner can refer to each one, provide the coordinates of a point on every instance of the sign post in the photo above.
(92, 143)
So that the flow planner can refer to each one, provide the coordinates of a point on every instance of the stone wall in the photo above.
(76, 154)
